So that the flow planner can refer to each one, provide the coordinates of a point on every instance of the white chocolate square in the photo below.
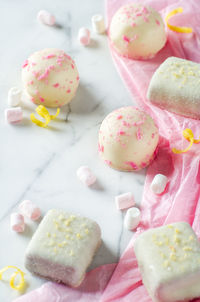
(63, 247)
(175, 86)
(169, 260)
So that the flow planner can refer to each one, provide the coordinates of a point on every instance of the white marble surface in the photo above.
(40, 164)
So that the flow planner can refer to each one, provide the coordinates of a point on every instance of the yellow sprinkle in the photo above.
(71, 253)
(172, 248)
(21, 284)
(55, 250)
(176, 75)
(177, 231)
(170, 226)
(44, 113)
(78, 235)
(54, 235)
(86, 231)
(166, 263)
(67, 237)
(191, 73)
(61, 217)
(191, 238)
(48, 234)
(173, 256)
(177, 28)
(187, 248)
(176, 239)
(162, 255)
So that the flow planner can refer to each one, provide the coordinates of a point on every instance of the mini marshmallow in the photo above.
(84, 36)
(98, 24)
(159, 183)
(13, 115)
(29, 209)
(46, 18)
(124, 201)
(14, 96)
(86, 176)
(132, 218)
(17, 222)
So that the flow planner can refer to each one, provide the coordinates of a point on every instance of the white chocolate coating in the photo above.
(169, 261)
(50, 77)
(63, 247)
(175, 87)
(128, 138)
(137, 31)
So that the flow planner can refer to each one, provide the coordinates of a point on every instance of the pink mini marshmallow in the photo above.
(13, 115)
(17, 222)
(124, 201)
(84, 36)
(29, 209)
(86, 176)
(46, 18)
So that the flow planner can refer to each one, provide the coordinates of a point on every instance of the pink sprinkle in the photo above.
(143, 164)
(153, 135)
(56, 85)
(69, 90)
(41, 99)
(71, 82)
(138, 14)
(157, 22)
(25, 64)
(30, 83)
(145, 10)
(126, 124)
(133, 24)
(35, 73)
(46, 73)
(119, 117)
(139, 134)
(101, 148)
(72, 66)
(121, 133)
(56, 102)
(77, 78)
(108, 162)
(132, 164)
(126, 39)
(33, 100)
(49, 56)
(145, 19)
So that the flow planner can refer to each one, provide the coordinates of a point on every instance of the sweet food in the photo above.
(137, 31)
(84, 36)
(28, 209)
(132, 218)
(14, 96)
(17, 222)
(86, 176)
(50, 77)
(13, 115)
(175, 87)
(124, 201)
(169, 261)
(63, 247)
(128, 138)
(98, 24)
(159, 183)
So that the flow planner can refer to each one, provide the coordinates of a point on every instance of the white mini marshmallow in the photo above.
(124, 201)
(159, 183)
(17, 222)
(98, 24)
(46, 18)
(14, 96)
(13, 115)
(29, 209)
(84, 36)
(86, 176)
(132, 218)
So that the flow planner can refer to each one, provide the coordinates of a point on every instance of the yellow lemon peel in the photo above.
(21, 284)
(44, 113)
(187, 134)
(179, 29)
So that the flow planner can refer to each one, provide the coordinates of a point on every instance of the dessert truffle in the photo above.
(128, 138)
(175, 87)
(169, 260)
(63, 247)
(137, 31)
(50, 77)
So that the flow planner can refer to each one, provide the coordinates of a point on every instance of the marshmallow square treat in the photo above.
(169, 260)
(175, 87)
(63, 247)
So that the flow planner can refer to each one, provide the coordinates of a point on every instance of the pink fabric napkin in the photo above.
(180, 201)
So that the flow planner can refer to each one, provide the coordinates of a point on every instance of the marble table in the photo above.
(40, 164)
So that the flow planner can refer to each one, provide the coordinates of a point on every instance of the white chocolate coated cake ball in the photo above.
(50, 77)
(128, 139)
(137, 31)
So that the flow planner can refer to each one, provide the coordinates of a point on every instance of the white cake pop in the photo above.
(137, 31)
(50, 77)
(128, 139)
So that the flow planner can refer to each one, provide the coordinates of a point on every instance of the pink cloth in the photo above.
(180, 201)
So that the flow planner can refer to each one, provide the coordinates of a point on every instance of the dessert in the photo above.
(175, 87)
(50, 77)
(63, 247)
(169, 260)
(137, 31)
(128, 138)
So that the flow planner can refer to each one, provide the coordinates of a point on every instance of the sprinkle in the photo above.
(56, 85)
(119, 117)
(126, 39)
(69, 90)
(139, 134)
(25, 64)
(132, 164)
(157, 22)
